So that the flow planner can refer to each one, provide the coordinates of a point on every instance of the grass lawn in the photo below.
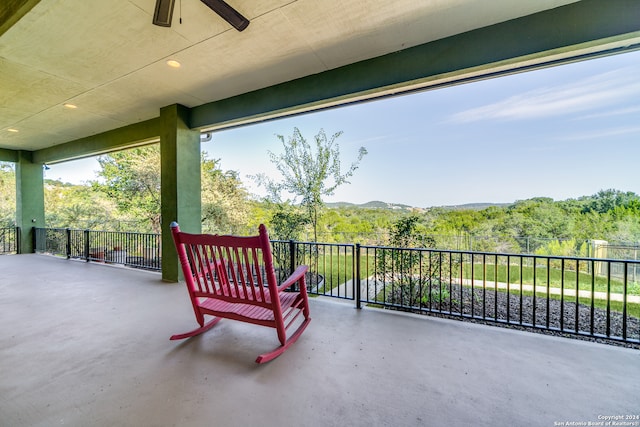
(555, 278)
(337, 266)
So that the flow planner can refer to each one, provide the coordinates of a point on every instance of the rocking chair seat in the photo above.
(247, 312)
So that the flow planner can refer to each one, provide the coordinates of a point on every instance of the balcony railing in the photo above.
(138, 250)
(9, 237)
(581, 296)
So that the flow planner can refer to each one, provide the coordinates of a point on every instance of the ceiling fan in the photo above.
(164, 12)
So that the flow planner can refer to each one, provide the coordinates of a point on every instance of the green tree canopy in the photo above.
(79, 206)
(225, 201)
(132, 179)
(287, 222)
(7, 195)
(608, 200)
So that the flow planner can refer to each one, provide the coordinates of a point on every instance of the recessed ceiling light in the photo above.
(70, 106)
(173, 63)
(13, 130)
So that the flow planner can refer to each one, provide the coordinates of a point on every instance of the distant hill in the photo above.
(377, 204)
(474, 206)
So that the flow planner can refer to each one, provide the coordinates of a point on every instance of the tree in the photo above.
(540, 217)
(607, 200)
(132, 179)
(405, 233)
(414, 276)
(78, 206)
(7, 195)
(309, 172)
(225, 202)
(287, 223)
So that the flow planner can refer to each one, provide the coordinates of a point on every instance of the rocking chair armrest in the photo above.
(295, 277)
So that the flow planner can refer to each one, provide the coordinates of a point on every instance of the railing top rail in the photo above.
(395, 248)
(534, 256)
(131, 233)
(134, 233)
(349, 245)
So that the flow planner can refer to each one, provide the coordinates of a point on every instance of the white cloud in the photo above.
(587, 94)
(601, 134)
(613, 113)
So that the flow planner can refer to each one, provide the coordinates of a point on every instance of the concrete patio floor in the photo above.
(85, 344)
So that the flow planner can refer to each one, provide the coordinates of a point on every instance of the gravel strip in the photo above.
(549, 313)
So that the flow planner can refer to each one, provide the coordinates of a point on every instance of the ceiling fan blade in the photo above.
(163, 13)
(228, 13)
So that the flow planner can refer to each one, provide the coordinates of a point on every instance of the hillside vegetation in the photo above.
(534, 225)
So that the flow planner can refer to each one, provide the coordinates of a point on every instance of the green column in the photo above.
(29, 199)
(180, 181)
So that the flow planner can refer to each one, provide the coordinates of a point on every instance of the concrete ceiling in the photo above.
(106, 57)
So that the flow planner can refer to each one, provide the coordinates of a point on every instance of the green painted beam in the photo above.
(8, 155)
(11, 11)
(129, 136)
(585, 23)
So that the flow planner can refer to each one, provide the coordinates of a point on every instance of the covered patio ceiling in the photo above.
(110, 62)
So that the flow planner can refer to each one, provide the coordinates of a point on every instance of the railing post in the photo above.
(358, 280)
(34, 239)
(292, 256)
(16, 241)
(68, 247)
(86, 244)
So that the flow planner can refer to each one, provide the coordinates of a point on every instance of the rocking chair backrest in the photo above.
(229, 268)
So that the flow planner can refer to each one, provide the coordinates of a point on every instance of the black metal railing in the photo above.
(332, 267)
(139, 250)
(564, 294)
(581, 296)
(9, 237)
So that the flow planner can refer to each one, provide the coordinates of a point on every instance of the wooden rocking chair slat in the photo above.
(233, 277)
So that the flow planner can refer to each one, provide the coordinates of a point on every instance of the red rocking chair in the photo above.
(233, 277)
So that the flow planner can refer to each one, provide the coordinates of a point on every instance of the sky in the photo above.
(561, 132)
